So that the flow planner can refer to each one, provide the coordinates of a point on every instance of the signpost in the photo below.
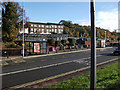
(93, 48)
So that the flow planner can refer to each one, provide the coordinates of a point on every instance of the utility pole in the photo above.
(105, 36)
(115, 35)
(98, 34)
(93, 48)
(23, 30)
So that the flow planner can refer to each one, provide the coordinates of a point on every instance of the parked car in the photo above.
(116, 51)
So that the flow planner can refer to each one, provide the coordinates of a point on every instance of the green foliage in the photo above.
(72, 41)
(63, 42)
(51, 42)
(12, 19)
(76, 30)
(107, 77)
(12, 45)
(57, 43)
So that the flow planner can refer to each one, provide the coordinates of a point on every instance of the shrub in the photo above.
(12, 45)
(57, 43)
(72, 41)
(63, 42)
(51, 42)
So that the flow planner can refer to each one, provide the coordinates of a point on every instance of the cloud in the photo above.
(82, 22)
(104, 19)
(107, 19)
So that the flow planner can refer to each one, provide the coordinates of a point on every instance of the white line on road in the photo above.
(20, 71)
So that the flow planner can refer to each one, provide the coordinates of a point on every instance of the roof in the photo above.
(44, 23)
(48, 35)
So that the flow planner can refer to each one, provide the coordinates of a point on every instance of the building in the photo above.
(37, 34)
(42, 28)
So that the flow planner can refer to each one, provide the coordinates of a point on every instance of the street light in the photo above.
(23, 29)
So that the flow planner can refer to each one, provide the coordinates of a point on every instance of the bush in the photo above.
(12, 45)
(51, 42)
(63, 42)
(57, 43)
(72, 41)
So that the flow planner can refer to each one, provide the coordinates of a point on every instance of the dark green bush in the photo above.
(57, 43)
(51, 42)
(63, 42)
(72, 41)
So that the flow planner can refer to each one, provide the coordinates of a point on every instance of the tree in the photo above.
(12, 17)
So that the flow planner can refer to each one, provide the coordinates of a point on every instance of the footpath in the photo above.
(11, 60)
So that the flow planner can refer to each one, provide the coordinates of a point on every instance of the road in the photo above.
(43, 67)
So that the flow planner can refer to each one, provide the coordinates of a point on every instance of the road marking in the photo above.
(60, 75)
(20, 71)
(18, 61)
(3, 63)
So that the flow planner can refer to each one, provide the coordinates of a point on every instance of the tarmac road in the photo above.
(38, 68)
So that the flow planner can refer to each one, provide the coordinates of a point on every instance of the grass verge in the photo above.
(107, 78)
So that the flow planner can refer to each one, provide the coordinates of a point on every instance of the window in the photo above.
(55, 30)
(35, 25)
(59, 31)
(39, 25)
(55, 26)
(42, 25)
(31, 25)
(35, 30)
(31, 29)
(52, 30)
(42, 30)
(47, 30)
(46, 26)
(61, 26)
(50, 26)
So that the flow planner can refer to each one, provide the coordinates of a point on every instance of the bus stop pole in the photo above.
(93, 48)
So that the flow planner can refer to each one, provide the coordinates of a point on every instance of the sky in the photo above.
(78, 12)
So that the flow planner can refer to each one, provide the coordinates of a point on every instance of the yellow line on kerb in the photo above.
(53, 77)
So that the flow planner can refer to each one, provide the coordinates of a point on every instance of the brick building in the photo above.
(43, 28)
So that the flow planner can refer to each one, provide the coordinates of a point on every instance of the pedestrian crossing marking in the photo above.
(18, 61)
(3, 63)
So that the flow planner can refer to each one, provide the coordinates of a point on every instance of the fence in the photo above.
(11, 51)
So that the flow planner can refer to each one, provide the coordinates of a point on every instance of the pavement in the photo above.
(43, 67)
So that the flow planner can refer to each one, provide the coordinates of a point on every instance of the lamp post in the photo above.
(105, 36)
(93, 48)
(23, 29)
